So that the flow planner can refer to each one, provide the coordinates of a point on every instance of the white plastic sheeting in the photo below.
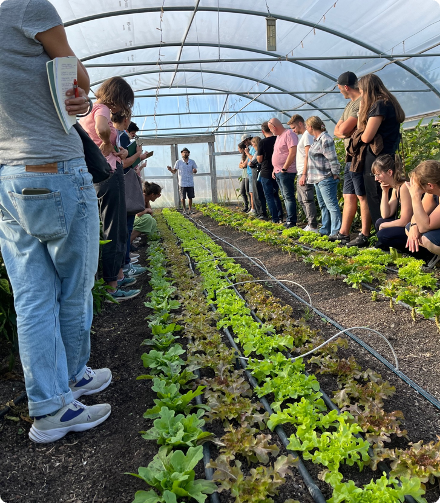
(207, 34)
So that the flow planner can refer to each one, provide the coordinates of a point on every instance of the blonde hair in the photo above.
(316, 123)
(427, 172)
(374, 90)
(391, 162)
(256, 140)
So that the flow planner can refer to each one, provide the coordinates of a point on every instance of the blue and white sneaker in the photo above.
(126, 281)
(134, 271)
(75, 417)
(92, 382)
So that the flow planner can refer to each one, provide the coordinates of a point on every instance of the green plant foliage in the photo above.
(162, 361)
(100, 293)
(172, 477)
(381, 490)
(421, 143)
(261, 482)
(333, 448)
(8, 318)
(429, 306)
(170, 397)
(247, 441)
(180, 430)
(420, 460)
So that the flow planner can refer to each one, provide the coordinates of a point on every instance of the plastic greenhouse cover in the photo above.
(144, 40)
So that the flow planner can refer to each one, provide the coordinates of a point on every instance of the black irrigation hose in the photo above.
(20, 398)
(328, 401)
(313, 489)
(367, 286)
(429, 397)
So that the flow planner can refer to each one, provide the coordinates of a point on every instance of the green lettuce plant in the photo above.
(178, 430)
(172, 477)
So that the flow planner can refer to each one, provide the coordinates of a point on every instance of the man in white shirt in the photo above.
(305, 192)
(185, 168)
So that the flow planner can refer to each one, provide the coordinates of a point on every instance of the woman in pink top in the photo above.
(114, 95)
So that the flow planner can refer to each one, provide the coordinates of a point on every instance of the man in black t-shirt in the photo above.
(270, 187)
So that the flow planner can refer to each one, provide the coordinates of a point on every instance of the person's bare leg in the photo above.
(190, 202)
(431, 247)
(134, 235)
(252, 202)
(349, 211)
(183, 205)
(366, 220)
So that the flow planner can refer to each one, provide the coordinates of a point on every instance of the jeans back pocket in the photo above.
(41, 215)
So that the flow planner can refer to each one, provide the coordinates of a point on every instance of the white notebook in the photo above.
(61, 73)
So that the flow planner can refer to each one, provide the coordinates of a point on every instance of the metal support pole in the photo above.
(174, 158)
(212, 160)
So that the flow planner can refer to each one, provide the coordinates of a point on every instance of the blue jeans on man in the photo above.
(271, 190)
(49, 244)
(326, 191)
(285, 181)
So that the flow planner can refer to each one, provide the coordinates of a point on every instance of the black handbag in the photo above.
(97, 164)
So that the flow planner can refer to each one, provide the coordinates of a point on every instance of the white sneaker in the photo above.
(75, 417)
(313, 230)
(93, 381)
(307, 228)
(252, 211)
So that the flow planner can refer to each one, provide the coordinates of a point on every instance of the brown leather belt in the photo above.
(45, 168)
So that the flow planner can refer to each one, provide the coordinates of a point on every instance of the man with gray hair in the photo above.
(284, 163)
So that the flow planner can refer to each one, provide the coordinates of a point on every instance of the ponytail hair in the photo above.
(391, 162)
(316, 123)
(427, 172)
(151, 188)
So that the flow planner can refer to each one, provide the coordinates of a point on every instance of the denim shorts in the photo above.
(353, 182)
(432, 235)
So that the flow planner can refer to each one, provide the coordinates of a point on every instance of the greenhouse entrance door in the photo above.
(176, 144)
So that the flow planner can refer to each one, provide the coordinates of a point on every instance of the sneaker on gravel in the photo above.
(121, 295)
(344, 239)
(92, 382)
(252, 211)
(126, 281)
(134, 255)
(134, 261)
(74, 417)
(361, 241)
(134, 271)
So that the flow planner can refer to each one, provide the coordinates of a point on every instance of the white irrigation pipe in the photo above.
(332, 337)
(268, 280)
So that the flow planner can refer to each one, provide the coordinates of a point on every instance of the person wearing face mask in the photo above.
(185, 168)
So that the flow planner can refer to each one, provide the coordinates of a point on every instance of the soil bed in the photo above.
(87, 466)
(416, 344)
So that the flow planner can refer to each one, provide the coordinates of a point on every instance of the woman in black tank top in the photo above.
(396, 209)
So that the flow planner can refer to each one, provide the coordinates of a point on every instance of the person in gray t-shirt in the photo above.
(49, 231)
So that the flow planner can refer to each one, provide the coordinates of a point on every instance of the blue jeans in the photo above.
(326, 191)
(49, 243)
(271, 190)
(286, 184)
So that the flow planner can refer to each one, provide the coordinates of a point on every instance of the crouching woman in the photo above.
(423, 229)
(396, 210)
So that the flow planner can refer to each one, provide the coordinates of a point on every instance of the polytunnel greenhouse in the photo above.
(219, 252)
(217, 69)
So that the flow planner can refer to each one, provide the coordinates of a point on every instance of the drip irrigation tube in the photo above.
(313, 489)
(327, 400)
(367, 286)
(15, 401)
(429, 397)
